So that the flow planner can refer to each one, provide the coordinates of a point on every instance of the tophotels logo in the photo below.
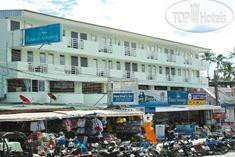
(199, 16)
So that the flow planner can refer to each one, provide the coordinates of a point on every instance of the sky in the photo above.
(141, 16)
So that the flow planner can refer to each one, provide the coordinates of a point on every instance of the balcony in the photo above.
(187, 79)
(130, 51)
(151, 77)
(152, 55)
(102, 72)
(105, 48)
(75, 43)
(171, 58)
(129, 74)
(39, 67)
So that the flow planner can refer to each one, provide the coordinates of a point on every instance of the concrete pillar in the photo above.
(151, 87)
(78, 87)
(168, 88)
(185, 88)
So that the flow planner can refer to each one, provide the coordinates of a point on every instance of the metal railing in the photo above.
(105, 48)
(38, 67)
(75, 43)
(75, 70)
(102, 72)
(130, 51)
(151, 77)
(128, 74)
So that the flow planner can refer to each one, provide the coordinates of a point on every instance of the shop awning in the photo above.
(66, 114)
(177, 108)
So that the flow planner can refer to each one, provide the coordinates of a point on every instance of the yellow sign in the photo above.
(196, 102)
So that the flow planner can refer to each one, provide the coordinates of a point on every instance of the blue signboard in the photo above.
(149, 109)
(123, 97)
(177, 97)
(197, 96)
(149, 98)
(42, 35)
(185, 129)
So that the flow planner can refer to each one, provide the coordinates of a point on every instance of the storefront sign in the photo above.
(42, 35)
(177, 97)
(125, 85)
(152, 98)
(123, 97)
(196, 102)
(150, 110)
(219, 115)
(160, 131)
(197, 98)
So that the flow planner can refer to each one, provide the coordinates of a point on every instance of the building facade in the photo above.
(77, 69)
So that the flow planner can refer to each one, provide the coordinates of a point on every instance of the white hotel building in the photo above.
(76, 69)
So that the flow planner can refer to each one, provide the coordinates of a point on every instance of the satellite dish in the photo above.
(52, 96)
(25, 99)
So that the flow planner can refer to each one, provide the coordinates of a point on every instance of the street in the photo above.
(229, 154)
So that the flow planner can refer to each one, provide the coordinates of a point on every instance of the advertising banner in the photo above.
(160, 131)
(123, 97)
(177, 97)
(197, 98)
(219, 115)
(152, 98)
(42, 35)
(125, 91)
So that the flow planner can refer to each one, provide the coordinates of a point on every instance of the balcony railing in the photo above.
(75, 43)
(130, 51)
(187, 79)
(171, 58)
(151, 77)
(102, 72)
(152, 55)
(105, 47)
(72, 70)
(40, 67)
(128, 74)
(170, 78)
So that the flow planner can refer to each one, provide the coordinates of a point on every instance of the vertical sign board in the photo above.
(42, 35)
(177, 97)
(160, 131)
(124, 91)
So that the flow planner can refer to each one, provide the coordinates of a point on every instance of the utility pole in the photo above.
(109, 92)
(216, 88)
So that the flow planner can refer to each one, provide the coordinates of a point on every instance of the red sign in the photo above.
(219, 115)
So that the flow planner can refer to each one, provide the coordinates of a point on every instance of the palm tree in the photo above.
(209, 57)
(219, 60)
(232, 55)
(228, 71)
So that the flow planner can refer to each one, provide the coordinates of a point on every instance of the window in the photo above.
(62, 60)
(160, 87)
(160, 70)
(30, 56)
(118, 66)
(92, 88)
(15, 55)
(167, 70)
(50, 58)
(166, 50)
(143, 68)
(41, 85)
(118, 42)
(197, 73)
(110, 65)
(62, 86)
(143, 87)
(142, 46)
(134, 67)
(18, 85)
(172, 52)
(42, 58)
(84, 62)
(172, 71)
(133, 45)
(83, 36)
(179, 72)
(126, 44)
(109, 41)
(15, 25)
(64, 33)
(35, 85)
(93, 37)
(196, 56)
